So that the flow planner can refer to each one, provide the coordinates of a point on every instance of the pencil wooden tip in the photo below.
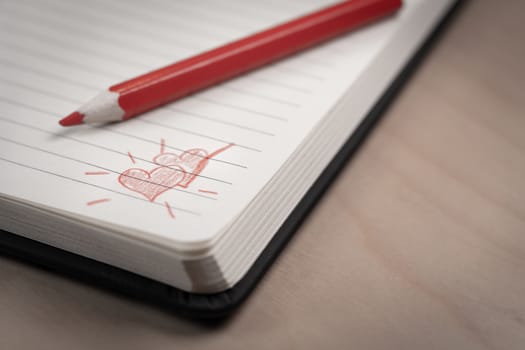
(74, 118)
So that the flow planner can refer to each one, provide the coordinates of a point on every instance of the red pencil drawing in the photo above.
(131, 158)
(162, 145)
(173, 170)
(97, 173)
(153, 183)
(98, 201)
(170, 212)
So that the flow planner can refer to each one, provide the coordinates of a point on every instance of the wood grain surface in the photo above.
(419, 244)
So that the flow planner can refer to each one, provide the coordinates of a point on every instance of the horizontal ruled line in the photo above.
(117, 23)
(203, 12)
(51, 41)
(59, 26)
(263, 97)
(280, 84)
(297, 72)
(29, 107)
(199, 134)
(93, 20)
(48, 75)
(56, 59)
(240, 11)
(188, 25)
(43, 92)
(219, 121)
(314, 62)
(244, 109)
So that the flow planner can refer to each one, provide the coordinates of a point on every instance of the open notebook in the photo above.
(188, 195)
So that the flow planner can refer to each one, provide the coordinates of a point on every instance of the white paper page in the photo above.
(55, 55)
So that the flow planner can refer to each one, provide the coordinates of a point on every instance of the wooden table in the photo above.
(419, 244)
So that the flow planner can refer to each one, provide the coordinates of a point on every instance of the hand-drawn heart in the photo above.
(193, 161)
(153, 183)
(174, 170)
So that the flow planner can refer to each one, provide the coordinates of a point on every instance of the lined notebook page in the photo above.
(181, 172)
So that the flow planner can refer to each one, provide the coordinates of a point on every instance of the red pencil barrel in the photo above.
(185, 77)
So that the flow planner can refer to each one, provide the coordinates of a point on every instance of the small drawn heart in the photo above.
(152, 184)
(193, 161)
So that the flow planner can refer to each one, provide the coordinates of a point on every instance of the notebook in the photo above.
(188, 203)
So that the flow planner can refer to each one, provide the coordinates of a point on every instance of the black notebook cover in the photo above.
(223, 303)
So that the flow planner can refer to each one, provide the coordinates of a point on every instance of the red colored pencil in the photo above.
(148, 91)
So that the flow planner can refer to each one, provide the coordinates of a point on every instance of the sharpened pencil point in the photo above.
(74, 118)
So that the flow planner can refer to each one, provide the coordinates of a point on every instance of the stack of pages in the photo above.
(190, 194)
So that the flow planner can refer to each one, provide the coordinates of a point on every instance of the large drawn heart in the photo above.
(152, 184)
